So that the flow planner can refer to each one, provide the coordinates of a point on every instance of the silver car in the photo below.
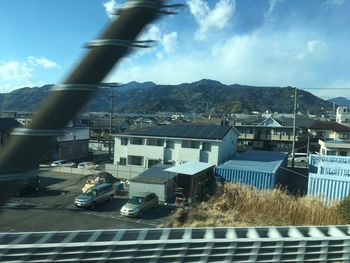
(96, 195)
(139, 203)
(63, 163)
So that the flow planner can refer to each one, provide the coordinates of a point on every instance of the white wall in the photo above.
(228, 147)
(74, 133)
(220, 151)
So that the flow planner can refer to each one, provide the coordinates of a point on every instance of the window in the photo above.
(137, 141)
(152, 162)
(135, 160)
(122, 161)
(170, 144)
(331, 152)
(206, 146)
(155, 142)
(343, 153)
(344, 136)
(124, 141)
(190, 144)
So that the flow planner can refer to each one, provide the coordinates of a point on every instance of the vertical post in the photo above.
(112, 96)
(294, 124)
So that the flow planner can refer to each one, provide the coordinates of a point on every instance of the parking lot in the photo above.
(52, 208)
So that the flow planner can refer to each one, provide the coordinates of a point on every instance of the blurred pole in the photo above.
(111, 124)
(294, 124)
(27, 145)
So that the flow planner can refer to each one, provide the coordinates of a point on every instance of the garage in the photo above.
(155, 180)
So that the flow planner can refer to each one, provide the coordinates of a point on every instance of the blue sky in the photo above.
(302, 43)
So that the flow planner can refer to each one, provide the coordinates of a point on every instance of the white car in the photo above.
(299, 158)
(63, 163)
(88, 166)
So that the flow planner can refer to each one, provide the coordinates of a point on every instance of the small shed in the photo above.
(196, 178)
(155, 180)
(261, 169)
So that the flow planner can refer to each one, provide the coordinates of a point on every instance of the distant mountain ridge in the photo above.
(340, 101)
(199, 96)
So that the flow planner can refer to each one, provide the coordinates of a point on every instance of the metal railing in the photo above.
(248, 244)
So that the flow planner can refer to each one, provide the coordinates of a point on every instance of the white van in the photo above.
(299, 157)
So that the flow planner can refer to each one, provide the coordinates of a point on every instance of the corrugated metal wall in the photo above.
(259, 180)
(328, 187)
(327, 160)
(329, 177)
(158, 189)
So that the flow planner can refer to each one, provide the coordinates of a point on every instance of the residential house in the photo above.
(333, 138)
(174, 144)
(343, 115)
(6, 125)
(73, 144)
(272, 134)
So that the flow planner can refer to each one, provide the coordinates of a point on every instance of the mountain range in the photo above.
(199, 96)
(340, 101)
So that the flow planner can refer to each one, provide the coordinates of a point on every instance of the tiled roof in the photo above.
(333, 126)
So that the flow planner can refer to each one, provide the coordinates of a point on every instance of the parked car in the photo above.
(63, 163)
(96, 195)
(88, 166)
(29, 184)
(299, 158)
(139, 203)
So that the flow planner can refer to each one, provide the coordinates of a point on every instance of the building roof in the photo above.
(155, 175)
(194, 131)
(256, 161)
(8, 123)
(334, 126)
(300, 122)
(189, 168)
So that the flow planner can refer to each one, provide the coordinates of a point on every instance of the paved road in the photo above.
(52, 208)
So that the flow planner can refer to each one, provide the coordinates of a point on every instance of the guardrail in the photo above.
(247, 244)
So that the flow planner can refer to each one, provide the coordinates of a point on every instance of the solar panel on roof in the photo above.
(196, 131)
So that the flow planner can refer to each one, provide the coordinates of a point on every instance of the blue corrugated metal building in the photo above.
(329, 177)
(261, 169)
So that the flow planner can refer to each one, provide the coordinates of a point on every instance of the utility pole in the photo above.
(294, 124)
(112, 96)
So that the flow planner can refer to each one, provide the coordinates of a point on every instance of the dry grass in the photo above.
(243, 206)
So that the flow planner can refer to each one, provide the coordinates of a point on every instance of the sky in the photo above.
(299, 43)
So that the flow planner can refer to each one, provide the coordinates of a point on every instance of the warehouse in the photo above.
(261, 169)
(329, 177)
(155, 180)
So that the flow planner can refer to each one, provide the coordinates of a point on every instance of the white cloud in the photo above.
(333, 3)
(14, 70)
(169, 42)
(18, 74)
(42, 61)
(272, 5)
(258, 58)
(152, 33)
(111, 6)
(208, 19)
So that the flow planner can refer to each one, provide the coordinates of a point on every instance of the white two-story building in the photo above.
(174, 144)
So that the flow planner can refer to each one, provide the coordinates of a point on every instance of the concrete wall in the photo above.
(126, 172)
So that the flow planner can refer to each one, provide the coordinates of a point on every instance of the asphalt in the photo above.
(52, 209)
